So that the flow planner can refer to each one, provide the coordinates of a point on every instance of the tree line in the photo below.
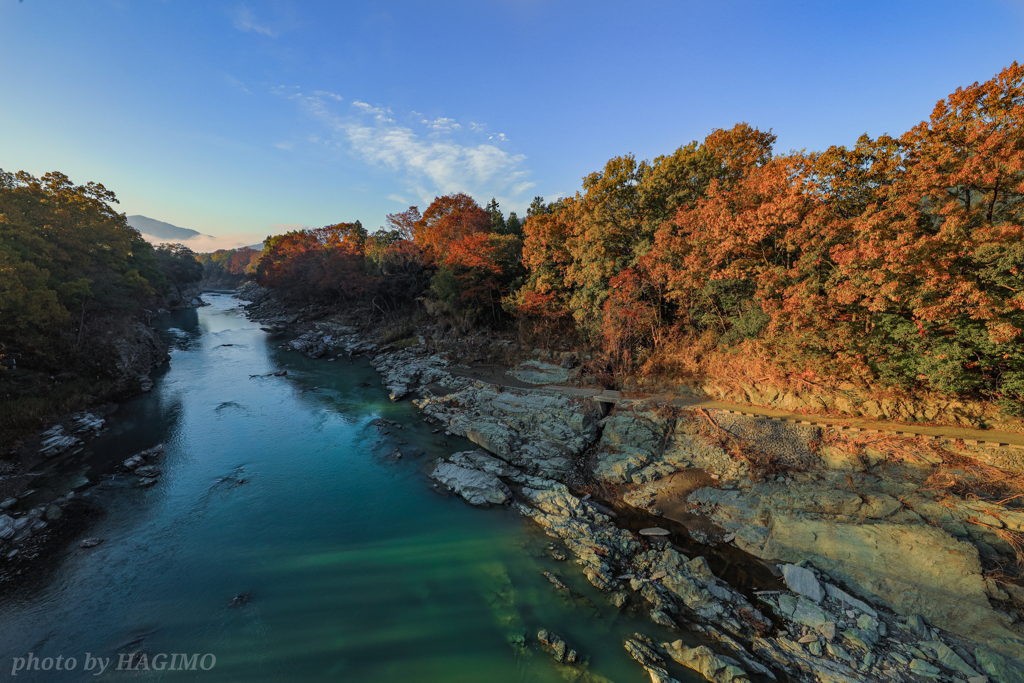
(895, 262)
(68, 263)
(898, 261)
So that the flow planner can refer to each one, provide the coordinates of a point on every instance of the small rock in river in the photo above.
(91, 542)
(240, 599)
(133, 462)
(654, 531)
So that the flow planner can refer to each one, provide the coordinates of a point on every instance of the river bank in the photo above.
(34, 522)
(888, 564)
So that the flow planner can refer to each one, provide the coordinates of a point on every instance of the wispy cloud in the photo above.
(235, 83)
(427, 163)
(247, 22)
(325, 93)
(441, 124)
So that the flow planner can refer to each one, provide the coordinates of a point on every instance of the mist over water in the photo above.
(284, 539)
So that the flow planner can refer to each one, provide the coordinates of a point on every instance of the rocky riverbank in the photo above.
(30, 527)
(889, 563)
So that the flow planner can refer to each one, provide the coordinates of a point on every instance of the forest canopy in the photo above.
(897, 262)
(67, 258)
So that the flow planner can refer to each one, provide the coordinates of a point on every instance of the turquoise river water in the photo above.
(279, 489)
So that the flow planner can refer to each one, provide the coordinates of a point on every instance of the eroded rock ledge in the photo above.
(885, 574)
(884, 578)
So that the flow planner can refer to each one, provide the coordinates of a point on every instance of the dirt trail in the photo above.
(982, 437)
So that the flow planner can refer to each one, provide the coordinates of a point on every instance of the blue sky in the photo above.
(244, 118)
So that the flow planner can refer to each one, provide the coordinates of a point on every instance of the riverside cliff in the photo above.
(889, 556)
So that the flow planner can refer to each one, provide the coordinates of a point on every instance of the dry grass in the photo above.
(695, 359)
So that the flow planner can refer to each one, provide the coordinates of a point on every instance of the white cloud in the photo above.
(430, 164)
(246, 21)
(442, 124)
(519, 188)
(325, 93)
(284, 145)
(397, 198)
(381, 114)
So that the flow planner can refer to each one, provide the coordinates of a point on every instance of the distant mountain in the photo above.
(161, 230)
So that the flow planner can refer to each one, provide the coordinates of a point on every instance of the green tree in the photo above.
(497, 218)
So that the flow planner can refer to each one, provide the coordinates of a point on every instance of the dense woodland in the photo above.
(74, 276)
(229, 267)
(895, 263)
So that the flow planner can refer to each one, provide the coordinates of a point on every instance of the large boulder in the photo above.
(475, 486)
(7, 528)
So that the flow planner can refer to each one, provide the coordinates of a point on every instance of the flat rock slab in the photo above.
(536, 372)
(654, 531)
(802, 580)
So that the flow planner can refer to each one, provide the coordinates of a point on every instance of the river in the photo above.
(281, 490)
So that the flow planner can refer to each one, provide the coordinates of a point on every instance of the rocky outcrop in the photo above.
(632, 442)
(714, 667)
(541, 432)
(311, 344)
(132, 354)
(883, 577)
(405, 370)
(867, 540)
(476, 486)
(185, 296)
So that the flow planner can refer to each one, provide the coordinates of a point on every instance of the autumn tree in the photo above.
(403, 225)
(325, 262)
(476, 272)
(610, 226)
(446, 220)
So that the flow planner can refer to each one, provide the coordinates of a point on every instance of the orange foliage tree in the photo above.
(446, 220)
(319, 262)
